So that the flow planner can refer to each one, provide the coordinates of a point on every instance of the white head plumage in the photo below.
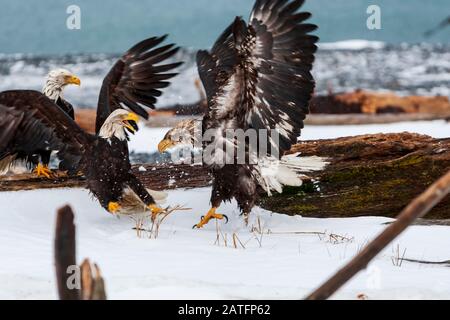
(116, 124)
(56, 81)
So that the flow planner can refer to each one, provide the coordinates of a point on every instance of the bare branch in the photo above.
(417, 209)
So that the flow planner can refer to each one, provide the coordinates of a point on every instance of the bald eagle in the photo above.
(30, 121)
(54, 86)
(257, 77)
(134, 82)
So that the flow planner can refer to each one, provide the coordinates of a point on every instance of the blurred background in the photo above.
(400, 58)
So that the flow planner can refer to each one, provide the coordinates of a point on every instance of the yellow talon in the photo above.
(155, 210)
(113, 207)
(210, 215)
(43, 171)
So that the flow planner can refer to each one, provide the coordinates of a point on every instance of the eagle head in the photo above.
(118, 123)
(57, 80)
(184, 133)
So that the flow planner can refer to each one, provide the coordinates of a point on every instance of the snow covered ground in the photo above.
(186, 264)
(147, 139)
(435, 129)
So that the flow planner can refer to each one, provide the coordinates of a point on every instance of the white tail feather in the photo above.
(9, 165)
(159, 196)
(274, 174)
(131, 204)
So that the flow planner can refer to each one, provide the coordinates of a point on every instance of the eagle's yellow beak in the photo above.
(130, 122)
(165, 145)
(73, 80)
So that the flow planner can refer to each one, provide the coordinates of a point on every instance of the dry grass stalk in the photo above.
(156, 221)
(237, 241)
(398, 257)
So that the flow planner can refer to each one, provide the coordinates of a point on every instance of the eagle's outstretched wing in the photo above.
(30, 121)
(261, 72)
(136, 79)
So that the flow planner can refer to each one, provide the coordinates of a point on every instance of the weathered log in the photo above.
(356, 102)
(375, 175)
(156, 177)
(366, 102)
(86, 285)
(358, 107)
(160, 119)
(92, 282)
(65, 253)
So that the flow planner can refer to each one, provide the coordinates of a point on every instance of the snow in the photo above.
(183, 263)
(436, 129)
(355, 44)
(187, 264)
(147, 139)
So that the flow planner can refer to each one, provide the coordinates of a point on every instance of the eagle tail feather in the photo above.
(289, 171)
(6, 163)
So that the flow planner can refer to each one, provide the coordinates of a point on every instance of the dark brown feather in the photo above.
(132, 78)
(258, 76)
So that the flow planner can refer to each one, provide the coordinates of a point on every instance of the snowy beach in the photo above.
(181, 263)
(281, 261)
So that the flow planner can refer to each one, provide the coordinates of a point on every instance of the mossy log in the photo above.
(371, 175)
(375, 175)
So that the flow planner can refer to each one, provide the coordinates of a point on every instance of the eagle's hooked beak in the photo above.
(165, 145)
(130, 122)
(73, 80)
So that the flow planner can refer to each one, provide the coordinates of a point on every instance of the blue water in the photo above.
(111, 26)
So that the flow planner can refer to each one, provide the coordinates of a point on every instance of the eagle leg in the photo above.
(246, 216)
(113, 207)
(42, 170)
(210, 215)
(155, 210)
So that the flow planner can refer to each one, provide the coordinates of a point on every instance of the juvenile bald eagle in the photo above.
(30, 121)
(257, 77)
(134, 82)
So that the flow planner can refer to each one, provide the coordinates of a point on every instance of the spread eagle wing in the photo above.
(136, 80)
(30, 121)
(261, 72)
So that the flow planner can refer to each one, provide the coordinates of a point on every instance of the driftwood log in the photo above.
(90, 281)
(65, 256)
(371, 175)
(357, 107)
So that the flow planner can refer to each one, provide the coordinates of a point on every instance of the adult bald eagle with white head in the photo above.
(30, 121)
(135, 81)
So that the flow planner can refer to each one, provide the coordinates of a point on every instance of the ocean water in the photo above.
(110, 26)
(34, 39)
(419, 69)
